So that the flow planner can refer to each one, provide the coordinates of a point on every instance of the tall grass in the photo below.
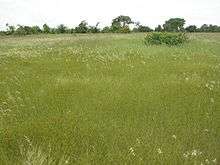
(109, 99)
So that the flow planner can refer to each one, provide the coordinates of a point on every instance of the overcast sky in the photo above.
(71, 12)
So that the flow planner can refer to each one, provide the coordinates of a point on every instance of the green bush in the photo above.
(165, 38)
(124, 29)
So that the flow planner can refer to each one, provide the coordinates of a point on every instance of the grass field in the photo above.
(109, 99)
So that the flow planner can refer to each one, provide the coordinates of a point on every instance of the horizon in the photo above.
(150, 14)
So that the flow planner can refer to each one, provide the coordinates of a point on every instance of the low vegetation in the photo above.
(120, 24)
(165, 38)
(109, 99)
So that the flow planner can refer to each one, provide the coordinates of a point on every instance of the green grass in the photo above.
(109, 99)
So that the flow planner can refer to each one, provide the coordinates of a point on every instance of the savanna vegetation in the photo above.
(166, 38)
(109, 98)
(120, 24)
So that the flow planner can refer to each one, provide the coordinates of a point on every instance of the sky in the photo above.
(71, 12)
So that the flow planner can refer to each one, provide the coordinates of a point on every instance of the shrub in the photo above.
(46, 28)
(82, 27)
(165, 38)
(124, 29)
(21, 30)
(61, 28)
(106, 30)
(142, 28)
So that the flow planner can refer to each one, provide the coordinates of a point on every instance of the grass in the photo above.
(109, 99)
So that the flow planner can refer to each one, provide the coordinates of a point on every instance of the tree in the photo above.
(142, 28)
(158, 28)
(174, 25)
(10, 29)
(124, 29)
(70, 31)
(106, 30)
(122, 21)
(121, 24)
(2, 33)
(46, 28)
(20, 30)
(61, 28)
(94, 29)
(28, 30)
(213, 28)
(204, 28)
(209, 28)
(191, 28)
(82, 27)
(36, 29)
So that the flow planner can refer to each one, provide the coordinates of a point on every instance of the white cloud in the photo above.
(71, 12)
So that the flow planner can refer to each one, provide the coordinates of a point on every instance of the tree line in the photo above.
(120, 24)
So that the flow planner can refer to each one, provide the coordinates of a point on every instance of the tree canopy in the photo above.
(174, 25)
(82, 27)
(120, 24)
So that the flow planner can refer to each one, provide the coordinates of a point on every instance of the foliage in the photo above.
(26, 30)
(2, 33)
(158, 28)
(209, 28)
(121, 21)
(61, 28)
(82, 27)
(191, 28)
(141, 28)
(121, 24)
(106, 29)
(124, 29)
(165, 38)
(46, 28)
(36, 30)
(70, 31)
(174, 25)
(94, 29)
(22, 30)
(10, 29)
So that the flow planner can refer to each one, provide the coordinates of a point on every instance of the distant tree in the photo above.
(142, 28)
(53, 30)
(191, 28)
(36, 29)
(28, 30)
(46, 28)
(82, 27)
(20, 30)
(213, 28)
(121, 24)
(10, 29)
(137, 24)
(2, 32)
(209, 28)
(204, 28)
(94, 29)
(61, 28)
(122, 20)
(174, 25)
(135, 30)
(124, 29)
(159, 28)
(106, 30)
(71, 30)
(25, 30)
